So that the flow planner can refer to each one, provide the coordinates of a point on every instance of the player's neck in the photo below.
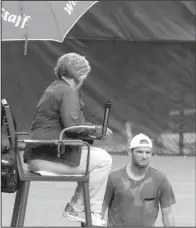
(136, 172)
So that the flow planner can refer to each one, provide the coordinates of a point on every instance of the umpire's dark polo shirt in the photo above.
(58, 108)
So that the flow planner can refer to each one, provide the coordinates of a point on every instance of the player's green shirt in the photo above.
(136, 203)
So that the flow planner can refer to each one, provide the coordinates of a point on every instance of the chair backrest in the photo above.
(9, 122)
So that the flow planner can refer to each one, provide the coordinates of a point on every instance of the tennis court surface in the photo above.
(47, 200)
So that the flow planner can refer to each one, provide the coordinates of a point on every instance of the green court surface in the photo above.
(47, 200)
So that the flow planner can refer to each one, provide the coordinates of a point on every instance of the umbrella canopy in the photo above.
(40, 20)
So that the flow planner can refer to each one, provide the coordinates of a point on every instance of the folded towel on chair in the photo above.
(45, 173)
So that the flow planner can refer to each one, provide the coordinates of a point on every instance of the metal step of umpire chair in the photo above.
(27, 177)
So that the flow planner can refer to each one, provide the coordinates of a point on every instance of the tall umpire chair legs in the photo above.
(85, 186)
(20, 205)
(16, 206)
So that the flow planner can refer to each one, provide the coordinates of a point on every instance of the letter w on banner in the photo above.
(40, 20)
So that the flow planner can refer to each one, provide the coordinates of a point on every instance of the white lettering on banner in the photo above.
(70, 6)
(16, 20)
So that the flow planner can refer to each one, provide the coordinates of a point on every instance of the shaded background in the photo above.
(142, 56)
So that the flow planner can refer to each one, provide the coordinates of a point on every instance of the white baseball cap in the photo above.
(141, 140)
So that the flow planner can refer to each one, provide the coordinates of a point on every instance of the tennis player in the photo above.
(135, 191)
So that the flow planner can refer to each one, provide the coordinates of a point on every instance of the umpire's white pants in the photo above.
(99, 169)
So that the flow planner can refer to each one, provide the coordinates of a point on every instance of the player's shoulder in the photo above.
(156, 173)
(117, 172)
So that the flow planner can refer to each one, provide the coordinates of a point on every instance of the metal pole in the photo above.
(181, 127)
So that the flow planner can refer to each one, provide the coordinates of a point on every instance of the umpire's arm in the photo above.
(70, 110)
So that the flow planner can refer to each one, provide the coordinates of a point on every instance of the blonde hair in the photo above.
(72, 65)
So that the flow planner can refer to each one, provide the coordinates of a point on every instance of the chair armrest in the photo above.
(22, 133)
(83, 132)
(72, 142)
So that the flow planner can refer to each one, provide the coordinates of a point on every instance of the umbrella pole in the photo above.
(26, 44)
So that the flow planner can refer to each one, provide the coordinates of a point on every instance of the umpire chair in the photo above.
(26, 177)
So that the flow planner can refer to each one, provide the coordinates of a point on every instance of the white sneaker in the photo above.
(97, 220)
(71, 214)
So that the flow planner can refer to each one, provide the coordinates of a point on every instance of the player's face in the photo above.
(141, 156)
